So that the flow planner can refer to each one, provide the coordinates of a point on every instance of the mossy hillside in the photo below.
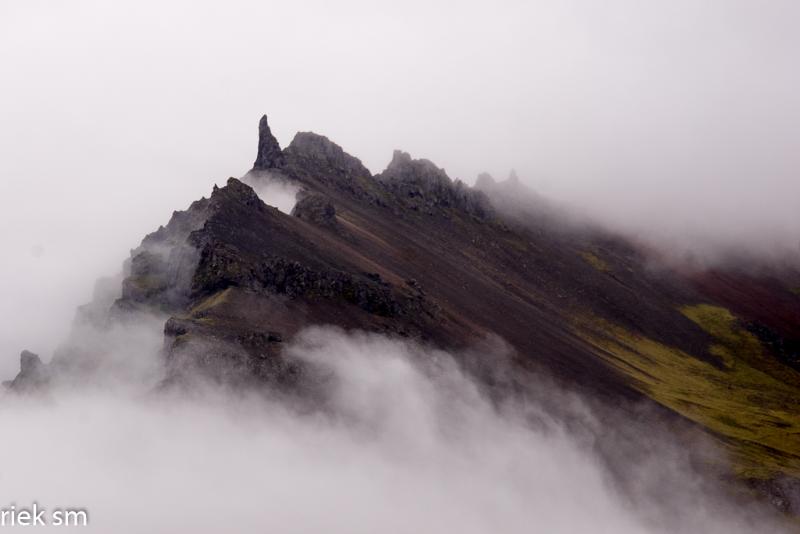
(751, 404)
(736, 344)
(203, 312)
(211, 302)
(148, 282)
(595, 261)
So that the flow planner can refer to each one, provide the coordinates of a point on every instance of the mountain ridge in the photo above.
(411, 253)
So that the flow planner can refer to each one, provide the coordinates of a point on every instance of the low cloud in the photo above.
(407, 442)
(274, 190)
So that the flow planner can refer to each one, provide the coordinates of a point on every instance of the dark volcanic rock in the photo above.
(269, 154)
(425, 187)
(317, 209)
(242, 245)
(315, 160)
(245, 251)
(782, 492)
(785, 347)
(236, 357)
(325, 152)
(159, 272)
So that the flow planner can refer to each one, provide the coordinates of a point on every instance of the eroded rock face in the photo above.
(257, 276)
(314, 159)
(159, 271)
(425, 187)
(317, 209)
(269, 154)
(33, 374)
(324, 151)
(242, 246)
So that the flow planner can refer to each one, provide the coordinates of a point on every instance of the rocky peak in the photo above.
(234, 191)
(400, 158)
(324, 151)
(403, 168)
(423, 186)
(269, 155)
(317, 209)
(161, 270)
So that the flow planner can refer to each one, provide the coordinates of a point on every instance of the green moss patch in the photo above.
(752, 403)
(595, 261)
(211, 302)
(147, 283)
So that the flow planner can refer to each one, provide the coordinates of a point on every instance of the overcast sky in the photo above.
(679, 117)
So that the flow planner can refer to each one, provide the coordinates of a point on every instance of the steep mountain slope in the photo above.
(411, 253)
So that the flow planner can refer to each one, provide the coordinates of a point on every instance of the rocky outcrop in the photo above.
(424, 187)
(318, 162)
(33, 374)
(234, 254)
(240, 248)
(323, 151)
(269, 154)
(159, 271)
(523, 206)
(317, 209)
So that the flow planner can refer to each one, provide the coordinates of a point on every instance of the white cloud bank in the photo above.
(407, 444)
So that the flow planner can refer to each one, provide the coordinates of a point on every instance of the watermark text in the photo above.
(39, 516)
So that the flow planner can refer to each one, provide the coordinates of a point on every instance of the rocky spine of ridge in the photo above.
(317, 209)
(411, 253)
(248, 252)
(355, 253)
(311, 158)
(426, 188)
(160, 270)
(406, 184)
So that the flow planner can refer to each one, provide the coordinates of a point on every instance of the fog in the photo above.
(407, 443)
(275, 191)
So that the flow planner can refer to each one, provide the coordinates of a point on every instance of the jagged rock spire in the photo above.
(269, 151)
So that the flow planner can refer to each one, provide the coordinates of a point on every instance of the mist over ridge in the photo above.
(406, 441)
(494, 267)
